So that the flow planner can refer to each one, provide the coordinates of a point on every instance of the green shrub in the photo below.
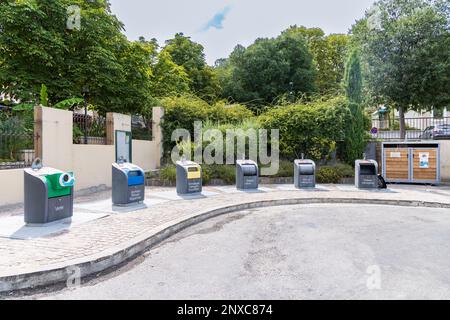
(206, 175)
(230, 113)
(286, 169)
(313, 129)
(168, 173)
(224, 172)
(20, 137)
(76, 133)
(182, 111)
(345, 170)
(245, 125)
(329, 175)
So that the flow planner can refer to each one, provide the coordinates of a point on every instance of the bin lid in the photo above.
(306, 169)
(127, 167)
(187, 164)
(249, 170)
(246, 162)
(44, 171)
(304, 161)
(366, 162)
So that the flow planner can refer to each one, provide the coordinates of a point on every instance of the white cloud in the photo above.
(246, 21)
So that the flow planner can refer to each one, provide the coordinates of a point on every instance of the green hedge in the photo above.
(334, 174)
(313, 129)
(181, 113)
(318, 129)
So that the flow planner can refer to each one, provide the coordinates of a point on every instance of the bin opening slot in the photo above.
(193, 173)
(367, 169)
(249, 170)
(135, 178)
(306, 170)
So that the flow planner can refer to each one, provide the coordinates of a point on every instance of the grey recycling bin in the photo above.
(366, 174)
(189, 177)
(48, 194)
(247, 175)
(304, 174)
(128, 184)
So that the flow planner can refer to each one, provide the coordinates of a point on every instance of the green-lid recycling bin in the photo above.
(48, 194)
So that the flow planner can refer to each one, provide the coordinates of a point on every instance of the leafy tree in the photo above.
(268, 69)
(168, 78)
(337, 51)
(134, 91)
(405, 49)
(191, 57)
(32, 47)
(329, 54)
(37, 46)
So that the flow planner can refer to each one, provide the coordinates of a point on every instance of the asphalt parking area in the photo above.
(321, 251)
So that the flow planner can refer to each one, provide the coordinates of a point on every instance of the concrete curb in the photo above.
(32, 279)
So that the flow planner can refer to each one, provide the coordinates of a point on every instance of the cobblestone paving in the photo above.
(94, 237)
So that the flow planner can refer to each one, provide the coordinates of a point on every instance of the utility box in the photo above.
(304, 174)
(128, 184)
(247, 175)
(189, 177)
(366, 174)
(411, 162)
(48, 194)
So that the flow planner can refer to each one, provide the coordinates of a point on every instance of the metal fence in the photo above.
(89, 129)
(421, 128)
(16, 149)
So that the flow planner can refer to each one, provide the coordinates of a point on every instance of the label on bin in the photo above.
(369, 181)
(194, 185)
(250, 181)
(136, 194)
(306, 179)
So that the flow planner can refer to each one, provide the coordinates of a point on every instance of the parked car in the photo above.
(440, 131)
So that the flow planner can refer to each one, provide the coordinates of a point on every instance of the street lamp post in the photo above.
(85, 94)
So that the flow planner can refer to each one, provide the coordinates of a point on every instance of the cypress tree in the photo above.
(356, 136)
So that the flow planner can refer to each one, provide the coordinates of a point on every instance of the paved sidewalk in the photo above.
(116, 231)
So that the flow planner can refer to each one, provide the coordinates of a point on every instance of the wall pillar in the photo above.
(54, 137)
(37, 132)
(114, 122)
(157, 118)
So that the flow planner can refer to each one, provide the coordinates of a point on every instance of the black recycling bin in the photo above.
(128, 184)
(304, 174)
(366, 174)
(247, 175)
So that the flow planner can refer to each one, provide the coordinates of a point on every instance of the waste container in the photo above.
(304, 174)
(189, 177)
(48, 194)
(128, 184)
(411, 162)
(366, 174)
(247, 175)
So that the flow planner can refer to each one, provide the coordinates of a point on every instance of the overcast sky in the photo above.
(219, 25)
